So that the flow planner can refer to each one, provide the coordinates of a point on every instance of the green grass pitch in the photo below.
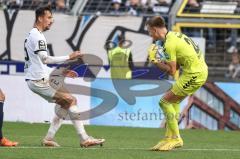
(121, 143)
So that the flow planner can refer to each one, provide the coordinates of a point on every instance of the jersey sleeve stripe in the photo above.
(36, 52)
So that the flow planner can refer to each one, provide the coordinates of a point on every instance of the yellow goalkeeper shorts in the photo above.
(188, 84)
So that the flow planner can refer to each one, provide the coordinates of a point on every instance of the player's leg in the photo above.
(4, 141)
(176, 107)
(183, 87)
(68, 101)
(2, 98)
(168, 104)
(54, 126)
(168, 111)
(163, 141)
(172, 130)
(168, 133)
(170, 115)
(63, 98)
(43, 89)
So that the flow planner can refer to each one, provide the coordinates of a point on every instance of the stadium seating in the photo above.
(33, 4)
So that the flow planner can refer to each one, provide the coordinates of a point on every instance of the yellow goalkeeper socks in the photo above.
(176, 107)
(168, 133)
(170, 115)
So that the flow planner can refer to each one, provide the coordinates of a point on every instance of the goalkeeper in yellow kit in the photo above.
(180, 52)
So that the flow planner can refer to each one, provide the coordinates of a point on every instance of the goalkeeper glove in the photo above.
(152, 51)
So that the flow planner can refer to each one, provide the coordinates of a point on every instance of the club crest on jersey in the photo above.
(42, 45)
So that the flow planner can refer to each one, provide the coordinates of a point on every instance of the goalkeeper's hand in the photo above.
(152, 51)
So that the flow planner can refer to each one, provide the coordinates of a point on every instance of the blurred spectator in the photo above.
(146, 5)
(116, 6)
(192, 32)
(233, 39)
(57, 5)
(60, 5)
(14, 4)
(155, 6)
(164, 2)
(162, 6)
(193, 3)
(192, 6)
(134, 6)
(211, 38)
(1, 3)
(70, 4)
(35, 3)
(234, 67)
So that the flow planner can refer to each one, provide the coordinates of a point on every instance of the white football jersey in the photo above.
(34, 67)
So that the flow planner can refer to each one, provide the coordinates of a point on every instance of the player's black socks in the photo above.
(1, 119)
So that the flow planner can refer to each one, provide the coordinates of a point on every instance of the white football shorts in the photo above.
(42, 88)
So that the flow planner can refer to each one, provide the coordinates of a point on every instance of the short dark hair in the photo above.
(156, 21)
(41, 11)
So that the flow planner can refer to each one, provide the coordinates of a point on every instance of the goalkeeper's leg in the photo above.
(172, 124)
(175, 141)
(171, 118)
(171, 111)
(167, 138)
(169, 133)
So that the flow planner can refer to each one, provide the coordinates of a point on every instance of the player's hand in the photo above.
(152, 51)
(75, 55)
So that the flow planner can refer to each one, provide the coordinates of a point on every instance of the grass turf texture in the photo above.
(121, 142)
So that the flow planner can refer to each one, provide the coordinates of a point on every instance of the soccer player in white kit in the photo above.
(37, 75)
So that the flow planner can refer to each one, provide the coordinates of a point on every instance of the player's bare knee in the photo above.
(74, 100)
(70, 100)
(63, 103)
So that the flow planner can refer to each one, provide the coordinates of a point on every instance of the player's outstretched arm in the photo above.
(46, 59)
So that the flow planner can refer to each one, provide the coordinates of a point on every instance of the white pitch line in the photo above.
(236, 150)
(102, 148)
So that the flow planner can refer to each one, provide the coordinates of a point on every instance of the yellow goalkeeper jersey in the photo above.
(180, 48)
